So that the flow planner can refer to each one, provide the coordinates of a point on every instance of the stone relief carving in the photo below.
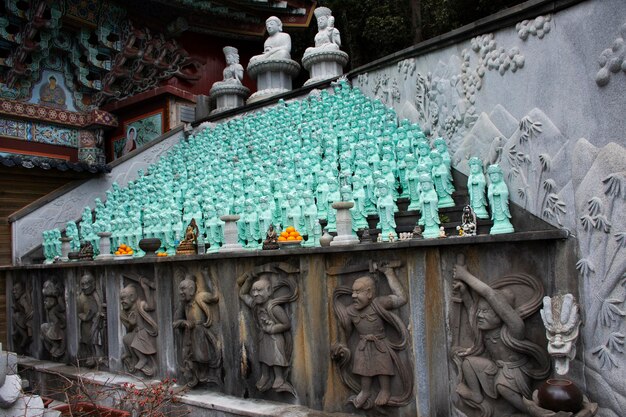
(363, 80)
(141, 328)
(372, 340)
(202, 348)
(496, 372)
(562, 321)
(407, 67)
(92, 322)
(612, 60)
(22, 318)
(53, 330)
(268, 291)
(539, 27)
(528, 151)
(386, 89)
(601, 202)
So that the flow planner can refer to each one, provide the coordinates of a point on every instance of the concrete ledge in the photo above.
(203, 403)
(556, 234)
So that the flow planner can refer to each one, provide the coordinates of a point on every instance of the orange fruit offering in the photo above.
(284, 234)
(124, 249)
(282, 238)
(290, 229)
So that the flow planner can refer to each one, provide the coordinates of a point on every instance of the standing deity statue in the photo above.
(141, 329)
(442, 147)
(310, 221)
(476, 186)
(266, 294)
(92, 321)
(429, 207)
(442, 180)
(412, 182)
(386, 211)
(71, 230)
(249, 226)
(502, 362)
(233, 73)
(498, 195)
(22, 317)
(53, 330)
(382, 336)
(358, 212)
(332, 196)
(278, 45)
(202, 350)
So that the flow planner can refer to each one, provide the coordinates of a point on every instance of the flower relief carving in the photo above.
(539, 27)
(612, 60)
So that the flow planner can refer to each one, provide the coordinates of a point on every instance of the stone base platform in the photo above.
(199, 402)
(227, 96)
(273, 76)
(324, 65)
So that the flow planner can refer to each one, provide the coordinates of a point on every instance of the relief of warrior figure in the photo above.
(202, 350)
(141, 329)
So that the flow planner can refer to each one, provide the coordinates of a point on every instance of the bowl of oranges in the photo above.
(124, 252)
(289, 238)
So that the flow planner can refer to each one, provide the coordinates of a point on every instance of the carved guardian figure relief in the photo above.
(22, 317)
(195, 316)
(372, 339)
(53, 330)
(497, 371)
(92, 322)
(140, 345)
(268, 291)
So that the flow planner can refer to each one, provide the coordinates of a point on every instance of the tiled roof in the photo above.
(27, 161)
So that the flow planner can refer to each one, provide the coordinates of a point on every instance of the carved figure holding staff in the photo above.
(141, 329)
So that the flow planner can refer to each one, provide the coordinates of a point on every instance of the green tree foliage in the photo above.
(372, 29)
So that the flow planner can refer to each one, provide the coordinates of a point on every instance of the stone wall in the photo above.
(66, 205)
(543, 97)
(308, 288)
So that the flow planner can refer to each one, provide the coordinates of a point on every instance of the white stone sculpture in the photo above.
(273, 69)
(327, 37)
(562, 321)
(324, 60)
(278, 45)
(229, 93)
(12, 401)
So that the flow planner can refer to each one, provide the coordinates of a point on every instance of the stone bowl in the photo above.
(150, 245)
(288, 244)
(122, 257)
